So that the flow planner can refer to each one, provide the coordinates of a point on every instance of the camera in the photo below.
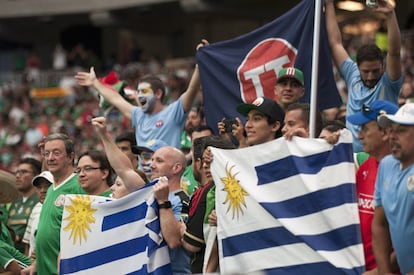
(228, 125)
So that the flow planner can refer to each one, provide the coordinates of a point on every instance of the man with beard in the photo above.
(393, 222)
(152, 119)
(366, 79)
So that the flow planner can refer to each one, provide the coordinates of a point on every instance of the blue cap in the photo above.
(371, 112)
(151, 146)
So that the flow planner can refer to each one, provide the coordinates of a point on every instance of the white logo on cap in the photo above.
(290, 71)
(258, 101)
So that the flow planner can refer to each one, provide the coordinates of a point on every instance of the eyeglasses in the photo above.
(86, 169)
(22, 171)
(56, 153)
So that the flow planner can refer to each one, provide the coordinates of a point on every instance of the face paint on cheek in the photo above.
(146, 96)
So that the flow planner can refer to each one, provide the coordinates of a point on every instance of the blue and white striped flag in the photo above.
(288, 207)
(104, 236)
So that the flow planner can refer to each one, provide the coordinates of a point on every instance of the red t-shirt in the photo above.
(365, 183)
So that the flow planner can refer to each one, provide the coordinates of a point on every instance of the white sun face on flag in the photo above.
(80, 218)
(235, 193)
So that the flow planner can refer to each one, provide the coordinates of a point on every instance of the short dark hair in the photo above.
(201, 143)
(278, 133)
(333, 125)
(99, 156)
(200, 128)
(369, 52)
(126, 136)
(34, 163)
(156, 84)
(305, 115)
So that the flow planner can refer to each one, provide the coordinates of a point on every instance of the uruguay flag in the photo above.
(288, 207)
(241, 69)
(104, 236)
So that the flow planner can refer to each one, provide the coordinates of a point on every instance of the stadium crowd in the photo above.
(113, 99)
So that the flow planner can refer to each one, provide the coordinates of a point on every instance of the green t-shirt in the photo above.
(188, 183)
(8, 254)
(5, 236)
(107, 193)
(48, 230)
(210, 203)
(19, 214)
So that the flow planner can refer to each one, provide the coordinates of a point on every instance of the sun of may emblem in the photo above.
(80, 217)
(235, 193)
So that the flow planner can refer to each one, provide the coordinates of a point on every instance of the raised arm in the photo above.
(118, 160)
(394, 39)
(113, 97)
(194, 86)
(339, 53)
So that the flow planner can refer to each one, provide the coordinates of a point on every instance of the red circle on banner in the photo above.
(258, 71)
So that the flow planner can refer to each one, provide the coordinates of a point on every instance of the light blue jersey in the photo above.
(394, 191)
(166, 125)
(359, 94)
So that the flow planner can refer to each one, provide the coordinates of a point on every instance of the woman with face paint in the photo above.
(151, 119)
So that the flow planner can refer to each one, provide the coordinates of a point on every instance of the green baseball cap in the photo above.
(290, 72)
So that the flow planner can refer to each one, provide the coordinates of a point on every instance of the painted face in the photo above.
(146, 159)
(146, 97)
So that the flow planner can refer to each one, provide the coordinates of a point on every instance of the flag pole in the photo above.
(315, 65)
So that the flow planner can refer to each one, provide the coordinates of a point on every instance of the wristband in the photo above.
(164, 205)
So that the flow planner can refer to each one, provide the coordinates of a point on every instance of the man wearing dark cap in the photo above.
(289, 86)
(393, 222)
(264, 120)
(41, 182)
(375, 141)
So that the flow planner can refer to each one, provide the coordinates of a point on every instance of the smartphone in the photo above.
(228, 125)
